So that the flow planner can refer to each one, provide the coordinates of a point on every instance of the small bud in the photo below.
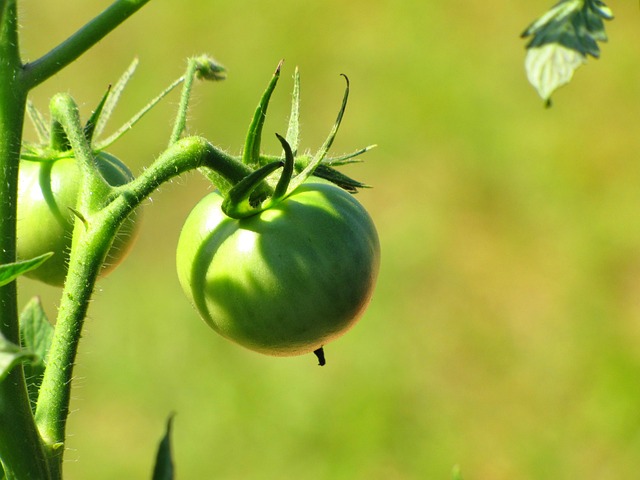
(209, 69)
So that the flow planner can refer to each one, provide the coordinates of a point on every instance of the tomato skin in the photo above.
(285, 281)
(46, 191)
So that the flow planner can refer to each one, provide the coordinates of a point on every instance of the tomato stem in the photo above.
(65, 111)
(203, 67)
(91, 242)
(186, 154)
(95, 30)
(87, 256)
(21, 449)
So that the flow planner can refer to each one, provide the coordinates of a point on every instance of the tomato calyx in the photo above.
(263, 188)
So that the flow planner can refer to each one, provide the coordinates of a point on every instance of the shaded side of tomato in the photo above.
(46, 192)
(285, 281)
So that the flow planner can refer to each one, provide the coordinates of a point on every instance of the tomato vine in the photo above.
(96, 205)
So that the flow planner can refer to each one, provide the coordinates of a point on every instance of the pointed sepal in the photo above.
(94, 119)
(251, 151)
(293, 130)
(322, 152)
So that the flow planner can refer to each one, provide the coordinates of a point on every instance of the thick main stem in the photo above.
(20, 445)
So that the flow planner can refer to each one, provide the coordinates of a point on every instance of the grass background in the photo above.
(504, 335)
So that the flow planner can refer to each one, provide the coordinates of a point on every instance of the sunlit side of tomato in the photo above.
(46, 192)
(285, 281)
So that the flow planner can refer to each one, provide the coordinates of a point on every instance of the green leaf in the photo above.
(561, 40)
(36, 334)
(11, 355)
(10, 271)
(551, 66)
(164, 468)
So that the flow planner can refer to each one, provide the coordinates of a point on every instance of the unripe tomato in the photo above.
(46, 192)
(285, 281)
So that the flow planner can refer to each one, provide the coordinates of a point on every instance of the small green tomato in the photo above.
(285, 281)
(46, 192)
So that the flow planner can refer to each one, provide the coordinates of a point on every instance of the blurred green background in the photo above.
(504, 335)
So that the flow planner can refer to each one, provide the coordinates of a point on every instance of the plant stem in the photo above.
(64, 111)
(207, 69)
(186, 154)
(20, 445)
(59, 57)
(91, 241)
(55, 392)
(181, 118)
(89, 249)
(12, 105)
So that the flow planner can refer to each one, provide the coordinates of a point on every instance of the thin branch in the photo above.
(59, 57)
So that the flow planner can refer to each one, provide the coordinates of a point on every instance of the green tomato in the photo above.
(285, 281)
(46, 192)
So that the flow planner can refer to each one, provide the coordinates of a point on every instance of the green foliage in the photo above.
(10, 271)
(164, 467)
(39, 411)
(12, 355)
(36, 334)
(561, 40)
(512, 275)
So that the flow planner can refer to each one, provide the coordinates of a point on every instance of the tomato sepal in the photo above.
(239, 202)
(251, 151)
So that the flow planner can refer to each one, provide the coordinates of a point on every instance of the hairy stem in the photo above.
(186, 154)
(65, 111)
(181, 119)
(205, 68)
(88, 253)
(59, 57)
(91, 243)
(20, 445)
